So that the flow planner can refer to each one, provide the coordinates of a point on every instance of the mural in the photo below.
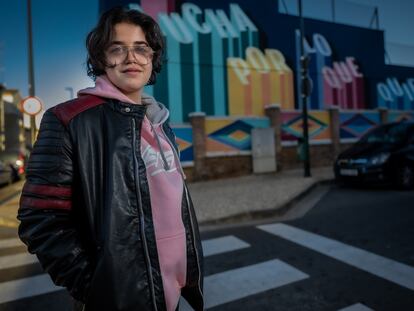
(395, 95)
(231, 136)
(398, 116)
(355, 124)
(318, 124)
(231, 59)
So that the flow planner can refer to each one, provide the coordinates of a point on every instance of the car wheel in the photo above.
(405, 177)
(14, 175)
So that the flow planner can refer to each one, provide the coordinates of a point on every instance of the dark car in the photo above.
(6, 174)
(12, 163)
(384, 154)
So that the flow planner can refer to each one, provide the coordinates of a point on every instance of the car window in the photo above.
(388, 134)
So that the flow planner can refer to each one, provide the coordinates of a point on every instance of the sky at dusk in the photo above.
(60, 28)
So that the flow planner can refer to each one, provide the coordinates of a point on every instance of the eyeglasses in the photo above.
(141, 53)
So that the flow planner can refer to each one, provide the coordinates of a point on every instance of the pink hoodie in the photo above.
(165, 180)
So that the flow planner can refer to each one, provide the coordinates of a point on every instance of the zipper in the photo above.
(195, 248)
(177, 157)
(189, 212)
(141, 216)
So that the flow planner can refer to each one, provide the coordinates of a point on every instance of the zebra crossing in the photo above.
(237, 282)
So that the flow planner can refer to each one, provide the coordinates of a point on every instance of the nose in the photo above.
(130, 57)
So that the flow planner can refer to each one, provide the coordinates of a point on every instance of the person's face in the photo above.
(130, 52)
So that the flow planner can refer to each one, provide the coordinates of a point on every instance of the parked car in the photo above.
(6, 174)
(384, 154)
(13, 162)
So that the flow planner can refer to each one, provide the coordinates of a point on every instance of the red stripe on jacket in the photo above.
(47, 190)
(46, 203)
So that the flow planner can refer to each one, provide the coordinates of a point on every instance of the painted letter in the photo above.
(343, 72)
(221, 23)
(256, 58)
(384, 92)
(240, 19)
(241, 69)
(173, 25)
(321, 45)
(410, 83)
(190, 12)
(331, 78)
(277, 60)
(353, 67)
(395, 87)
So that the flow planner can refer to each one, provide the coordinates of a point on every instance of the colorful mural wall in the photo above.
(229, 59)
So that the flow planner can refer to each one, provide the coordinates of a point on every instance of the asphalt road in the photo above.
(353, 250)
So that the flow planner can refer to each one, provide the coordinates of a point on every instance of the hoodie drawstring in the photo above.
(164, 159)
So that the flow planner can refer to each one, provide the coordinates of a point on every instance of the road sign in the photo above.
(31, 105)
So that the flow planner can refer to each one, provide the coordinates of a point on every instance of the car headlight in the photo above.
(379, 158)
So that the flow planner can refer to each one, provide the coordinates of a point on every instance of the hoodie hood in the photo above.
(156, 112)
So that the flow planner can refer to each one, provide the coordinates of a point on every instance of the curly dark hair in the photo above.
(98, 40)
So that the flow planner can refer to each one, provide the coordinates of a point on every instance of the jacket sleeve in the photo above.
(46, 222)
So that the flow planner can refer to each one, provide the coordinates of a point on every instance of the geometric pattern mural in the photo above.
(318, 125)
(184, 139)
(232, 135)
(356, 124)
(229, 135)
(398, 116)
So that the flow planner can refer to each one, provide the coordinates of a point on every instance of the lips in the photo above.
(131, 70)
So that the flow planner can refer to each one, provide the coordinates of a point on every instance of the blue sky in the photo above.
(59, 31)
(60, 28)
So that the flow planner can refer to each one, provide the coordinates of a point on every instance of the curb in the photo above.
(268, 213)
(5, 199)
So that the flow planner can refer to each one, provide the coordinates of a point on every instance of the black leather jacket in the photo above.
(85, 209)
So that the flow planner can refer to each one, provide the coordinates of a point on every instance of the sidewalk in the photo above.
(251, 196)
(9, 202)
(220, 201)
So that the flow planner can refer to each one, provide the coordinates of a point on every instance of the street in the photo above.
(352, 251)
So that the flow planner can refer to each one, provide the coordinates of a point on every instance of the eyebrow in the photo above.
(135, 43)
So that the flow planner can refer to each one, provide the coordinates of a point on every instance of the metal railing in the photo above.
(338, 11)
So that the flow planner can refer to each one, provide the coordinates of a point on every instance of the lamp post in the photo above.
(70, 90)
(306, 88)
(31, 69)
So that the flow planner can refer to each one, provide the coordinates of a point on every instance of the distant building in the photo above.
(12, 136)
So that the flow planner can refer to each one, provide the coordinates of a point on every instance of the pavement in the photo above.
(220, 201)
(254, 196)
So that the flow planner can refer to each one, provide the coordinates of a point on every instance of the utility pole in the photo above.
(70, 90)
(31, 69)
(306, 88)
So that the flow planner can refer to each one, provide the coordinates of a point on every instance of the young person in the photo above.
(105, 206)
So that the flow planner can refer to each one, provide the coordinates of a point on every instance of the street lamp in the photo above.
(31, 69)
(306, 88)
(70, 90)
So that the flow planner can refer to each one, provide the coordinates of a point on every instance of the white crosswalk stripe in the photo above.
(21, 259)
(242, 282)
(239, 283)
(13, 242)
(380, 266)
(356, 307)
(27, 287)
(222, 245)
(42, 284)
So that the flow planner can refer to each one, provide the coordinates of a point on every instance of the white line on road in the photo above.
(13, 242)
(45, 285)
(235, 284)
(222, 245)
(388, 269)
(356, 307)
(12, 261)
(28, 287)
